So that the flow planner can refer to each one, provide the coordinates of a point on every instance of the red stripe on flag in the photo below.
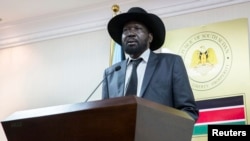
(221, 115)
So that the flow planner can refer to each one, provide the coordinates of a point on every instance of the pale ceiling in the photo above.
(26, 21)
(15, 10)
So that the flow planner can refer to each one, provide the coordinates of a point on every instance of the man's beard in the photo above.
(139, 49)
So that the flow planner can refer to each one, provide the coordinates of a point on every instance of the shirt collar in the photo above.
(144, 56)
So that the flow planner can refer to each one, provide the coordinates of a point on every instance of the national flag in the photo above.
(117, 53)
(226, 110)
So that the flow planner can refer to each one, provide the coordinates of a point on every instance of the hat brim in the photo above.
(151, 21)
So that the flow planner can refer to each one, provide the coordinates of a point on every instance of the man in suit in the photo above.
(162, 77)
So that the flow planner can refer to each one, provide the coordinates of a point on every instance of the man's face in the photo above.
(135, 38)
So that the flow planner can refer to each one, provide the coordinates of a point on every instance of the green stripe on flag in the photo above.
(202, 129)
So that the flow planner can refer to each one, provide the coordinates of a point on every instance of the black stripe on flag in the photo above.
(220, 102)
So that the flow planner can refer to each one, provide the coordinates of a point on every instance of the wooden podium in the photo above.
(119, 119)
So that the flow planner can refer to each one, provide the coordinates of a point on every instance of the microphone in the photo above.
(116, 69)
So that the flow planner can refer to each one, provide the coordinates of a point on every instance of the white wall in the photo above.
(66, 70)
(52, 72)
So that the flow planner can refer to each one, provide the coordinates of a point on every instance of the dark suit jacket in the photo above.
(165, 82)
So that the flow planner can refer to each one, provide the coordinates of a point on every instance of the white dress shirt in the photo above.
(140, 71)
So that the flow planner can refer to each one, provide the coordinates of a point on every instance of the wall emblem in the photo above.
(208, 58)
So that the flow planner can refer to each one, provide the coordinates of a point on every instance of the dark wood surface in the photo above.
(118, 119)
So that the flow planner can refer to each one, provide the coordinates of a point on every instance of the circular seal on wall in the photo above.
(208, 58)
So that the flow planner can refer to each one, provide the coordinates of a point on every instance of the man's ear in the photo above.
(150, 37)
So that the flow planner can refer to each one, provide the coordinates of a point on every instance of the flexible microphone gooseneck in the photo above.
(116, 69)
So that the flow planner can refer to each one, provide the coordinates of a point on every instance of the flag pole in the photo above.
(115, 9)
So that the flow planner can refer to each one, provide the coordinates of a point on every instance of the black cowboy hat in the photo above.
(151, 21)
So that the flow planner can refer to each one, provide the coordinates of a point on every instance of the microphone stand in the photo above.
(117, 68)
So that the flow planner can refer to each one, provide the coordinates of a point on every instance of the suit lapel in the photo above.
(150, 68)
(121, 79)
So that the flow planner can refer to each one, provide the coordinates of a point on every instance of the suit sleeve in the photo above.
(105, 94)
(183, 95)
